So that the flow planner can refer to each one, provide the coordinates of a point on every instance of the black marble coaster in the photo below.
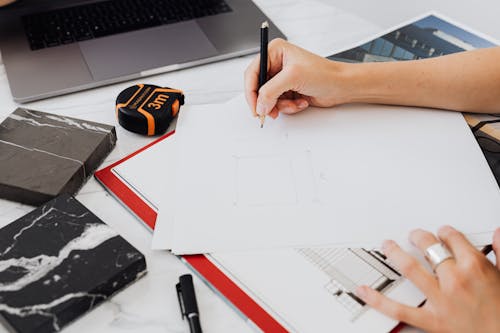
(57, 263)
(43, 155)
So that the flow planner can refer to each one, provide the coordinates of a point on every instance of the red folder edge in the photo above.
(201, 264)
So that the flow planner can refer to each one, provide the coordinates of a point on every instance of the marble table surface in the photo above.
(150, 305)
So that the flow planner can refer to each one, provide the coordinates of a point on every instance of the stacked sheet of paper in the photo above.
(353, 175)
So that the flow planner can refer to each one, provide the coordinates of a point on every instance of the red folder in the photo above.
(199, 263)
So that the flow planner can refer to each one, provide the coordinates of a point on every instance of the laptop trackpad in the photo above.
(136, 51)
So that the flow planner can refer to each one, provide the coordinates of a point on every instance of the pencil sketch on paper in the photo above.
(348, 268)
(264, 180)
(273, 179)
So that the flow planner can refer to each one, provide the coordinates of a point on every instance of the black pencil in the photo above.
(264, 30)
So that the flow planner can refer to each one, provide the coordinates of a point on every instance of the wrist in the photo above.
(340, 83)
(363, 83)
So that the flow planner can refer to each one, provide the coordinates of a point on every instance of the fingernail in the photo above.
(261, 109)
(386, 245)
(361, 291)
(412, 235)
(496, 236)
(302, 104)
(447, 227)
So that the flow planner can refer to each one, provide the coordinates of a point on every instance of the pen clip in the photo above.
(181, 301)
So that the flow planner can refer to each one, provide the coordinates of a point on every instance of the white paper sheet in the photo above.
(139, 173)
(376, 169)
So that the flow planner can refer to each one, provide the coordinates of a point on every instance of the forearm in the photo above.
(466, 81)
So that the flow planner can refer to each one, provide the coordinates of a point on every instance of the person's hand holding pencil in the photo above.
(296, 79)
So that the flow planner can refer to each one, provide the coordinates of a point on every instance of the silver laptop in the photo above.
(54, 47)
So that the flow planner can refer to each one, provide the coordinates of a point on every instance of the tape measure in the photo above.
(147, 109)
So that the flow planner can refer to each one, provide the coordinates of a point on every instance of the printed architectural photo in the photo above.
(426, 38)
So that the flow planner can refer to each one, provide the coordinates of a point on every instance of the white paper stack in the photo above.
(352, 175)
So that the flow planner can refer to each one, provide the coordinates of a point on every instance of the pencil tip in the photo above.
(265, 24)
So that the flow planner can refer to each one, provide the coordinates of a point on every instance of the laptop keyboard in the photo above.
(74, 24)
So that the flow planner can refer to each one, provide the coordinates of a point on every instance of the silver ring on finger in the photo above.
(436, 254)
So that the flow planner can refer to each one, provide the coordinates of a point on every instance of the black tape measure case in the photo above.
(147, 109)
